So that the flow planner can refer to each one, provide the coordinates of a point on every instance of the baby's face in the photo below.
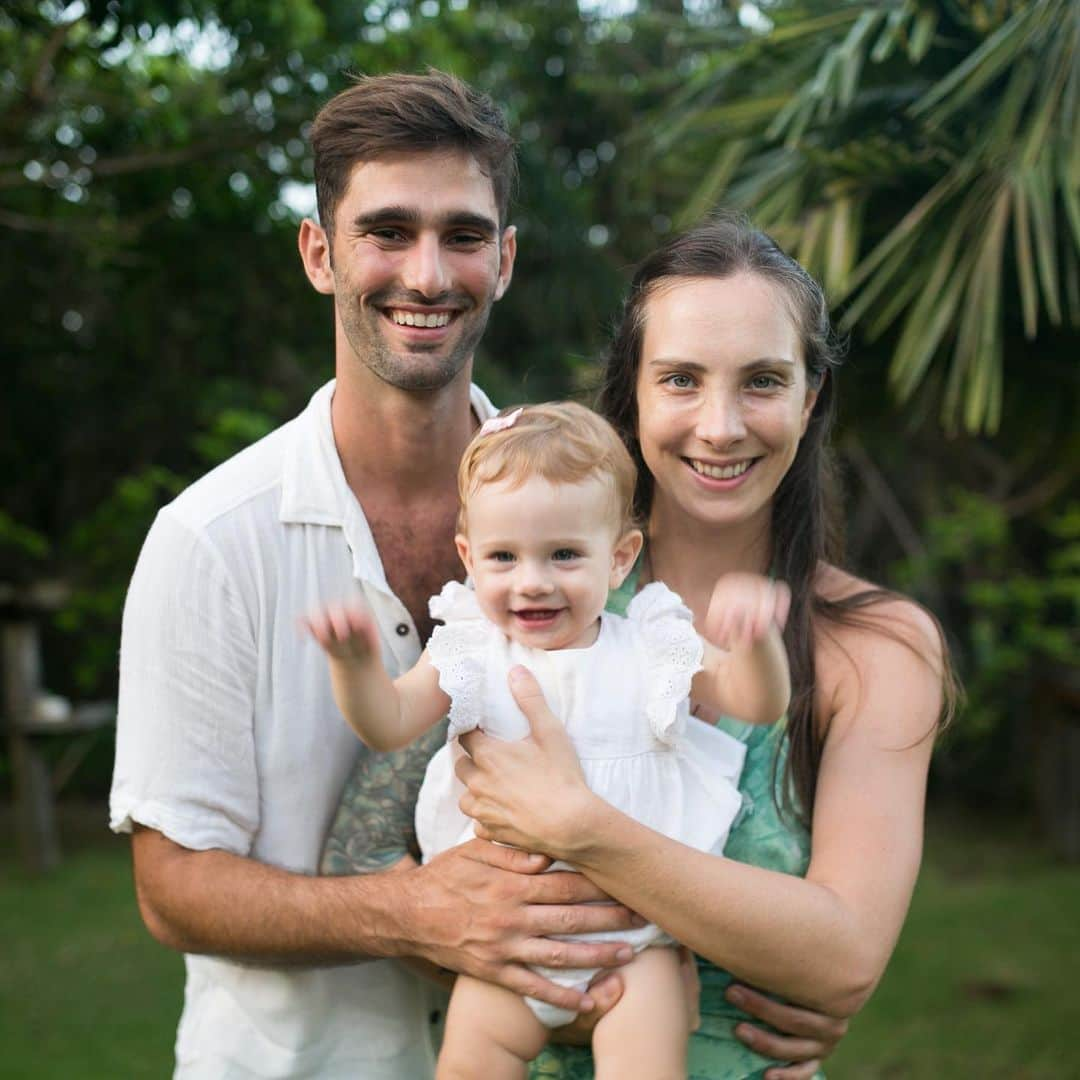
(542, 557)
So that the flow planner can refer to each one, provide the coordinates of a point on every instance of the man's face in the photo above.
(417, 261)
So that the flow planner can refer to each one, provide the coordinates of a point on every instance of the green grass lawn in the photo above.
(982, 984)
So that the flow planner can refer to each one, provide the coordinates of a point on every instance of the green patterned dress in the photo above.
(760, 836)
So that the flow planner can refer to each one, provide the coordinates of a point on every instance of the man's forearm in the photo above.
(223, 904)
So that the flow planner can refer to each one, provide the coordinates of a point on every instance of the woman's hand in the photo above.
(802, 1036)
(529, 793)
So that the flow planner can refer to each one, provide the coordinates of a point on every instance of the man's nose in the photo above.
(424, 271)
(720, 420)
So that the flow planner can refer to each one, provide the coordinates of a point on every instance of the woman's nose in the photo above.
(720, 420)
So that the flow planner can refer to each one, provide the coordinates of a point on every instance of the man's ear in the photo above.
(507, 254)
(315, 255)
(624, 556)
(462, 544)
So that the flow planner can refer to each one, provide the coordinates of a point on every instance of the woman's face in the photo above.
(722, 397)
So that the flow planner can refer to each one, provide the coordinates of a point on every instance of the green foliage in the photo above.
(920, 158)
(1017, 619)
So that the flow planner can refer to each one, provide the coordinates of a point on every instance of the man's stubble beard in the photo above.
(418, 370)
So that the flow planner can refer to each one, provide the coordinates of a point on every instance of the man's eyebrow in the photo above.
(409, 215)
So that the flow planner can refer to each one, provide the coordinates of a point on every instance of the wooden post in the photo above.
(34, 812)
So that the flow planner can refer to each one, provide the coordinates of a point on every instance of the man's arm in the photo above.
(480, 908)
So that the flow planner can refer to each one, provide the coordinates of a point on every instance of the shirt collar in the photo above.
(314, 489)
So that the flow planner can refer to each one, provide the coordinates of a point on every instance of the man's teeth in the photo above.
(418, 318)
(720, 472)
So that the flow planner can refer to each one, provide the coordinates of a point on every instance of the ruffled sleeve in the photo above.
(673, 653)
(458, 651)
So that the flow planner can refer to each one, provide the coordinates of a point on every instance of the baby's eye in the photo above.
(501, 556)
(565, 554)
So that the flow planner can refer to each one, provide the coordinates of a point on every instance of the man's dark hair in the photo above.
(391, 114)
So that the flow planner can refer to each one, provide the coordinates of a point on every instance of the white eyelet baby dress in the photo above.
(624, 701)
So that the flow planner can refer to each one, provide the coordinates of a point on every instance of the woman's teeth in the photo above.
(720, 472)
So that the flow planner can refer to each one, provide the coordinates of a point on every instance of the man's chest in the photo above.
(418, 558)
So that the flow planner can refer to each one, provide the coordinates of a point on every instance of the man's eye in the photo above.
(565, 554)
(466, 240)
(387, 235)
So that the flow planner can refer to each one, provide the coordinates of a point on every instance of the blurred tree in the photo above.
(919, 157)
(153, 169)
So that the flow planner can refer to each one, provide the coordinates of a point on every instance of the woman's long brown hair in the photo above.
(807, 531)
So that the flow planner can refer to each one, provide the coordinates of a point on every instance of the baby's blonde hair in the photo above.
(560, 442)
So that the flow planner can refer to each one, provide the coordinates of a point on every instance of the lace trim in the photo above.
(458, 652)
(455, 601)
(673, 653)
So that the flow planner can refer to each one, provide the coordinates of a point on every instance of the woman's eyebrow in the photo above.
(695, 366)
(768, 362)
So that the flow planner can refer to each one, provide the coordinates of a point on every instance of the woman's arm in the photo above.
(822, 941)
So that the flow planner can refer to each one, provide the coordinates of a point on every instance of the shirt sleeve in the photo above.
(185, 758)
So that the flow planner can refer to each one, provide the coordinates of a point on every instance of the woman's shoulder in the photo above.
(865, 611)
(873, 645)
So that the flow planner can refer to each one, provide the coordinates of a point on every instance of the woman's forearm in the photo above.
(789, 935)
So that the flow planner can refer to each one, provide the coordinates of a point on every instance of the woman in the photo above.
(721, 381)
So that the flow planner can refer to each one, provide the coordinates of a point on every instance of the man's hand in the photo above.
(489, 911)
(805, 1037)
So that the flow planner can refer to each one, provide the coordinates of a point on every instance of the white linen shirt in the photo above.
(228, 737)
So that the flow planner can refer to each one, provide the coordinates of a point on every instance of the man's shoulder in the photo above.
(238, 484)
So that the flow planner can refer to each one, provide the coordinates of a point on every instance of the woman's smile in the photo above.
(722, 397)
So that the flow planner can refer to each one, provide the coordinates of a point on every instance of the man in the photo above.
(230, 753)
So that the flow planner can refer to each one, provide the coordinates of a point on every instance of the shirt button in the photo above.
(402, 629)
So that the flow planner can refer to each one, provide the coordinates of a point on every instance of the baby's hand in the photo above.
(744, 608)
(345, 631)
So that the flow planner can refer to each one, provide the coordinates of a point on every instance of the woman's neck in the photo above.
(689, 555)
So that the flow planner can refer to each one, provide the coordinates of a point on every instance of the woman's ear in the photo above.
(462, 544)
(810, 401)
(624, 555)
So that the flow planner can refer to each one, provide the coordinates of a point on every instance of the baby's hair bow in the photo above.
(499, 423)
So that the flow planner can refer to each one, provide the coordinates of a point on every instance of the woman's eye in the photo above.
(764, 382)
(679, 381)
(564, 555)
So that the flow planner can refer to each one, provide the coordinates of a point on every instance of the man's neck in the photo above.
(401, 444)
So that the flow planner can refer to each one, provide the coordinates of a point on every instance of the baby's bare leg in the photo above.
(490, 1032)
(645, 1034)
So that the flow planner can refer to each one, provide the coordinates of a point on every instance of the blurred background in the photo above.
(921, 158)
